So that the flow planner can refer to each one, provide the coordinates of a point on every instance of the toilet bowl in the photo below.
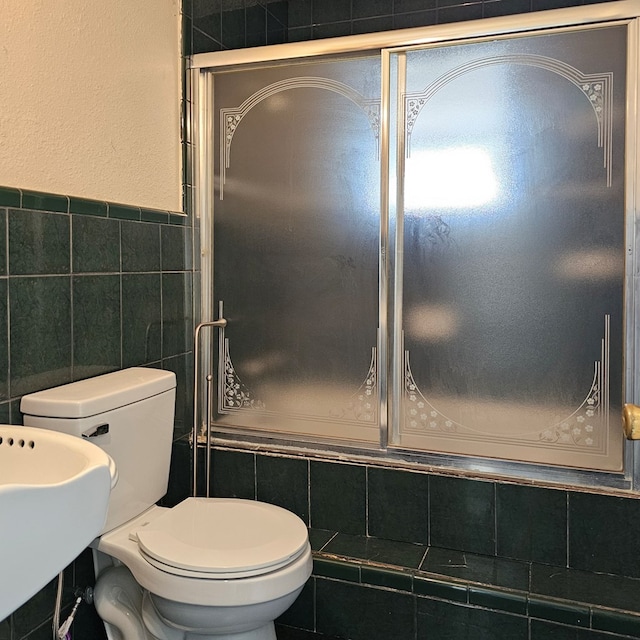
(220, 568)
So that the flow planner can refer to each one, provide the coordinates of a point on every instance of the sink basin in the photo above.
(54, 494)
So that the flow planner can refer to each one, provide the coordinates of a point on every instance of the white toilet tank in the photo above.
(127, 413)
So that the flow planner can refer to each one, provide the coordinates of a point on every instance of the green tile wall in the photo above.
(88, 287)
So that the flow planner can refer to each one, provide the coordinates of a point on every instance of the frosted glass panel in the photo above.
(296, 227)
(513, 245)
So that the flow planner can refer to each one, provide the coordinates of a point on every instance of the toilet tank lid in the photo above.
(89, 397)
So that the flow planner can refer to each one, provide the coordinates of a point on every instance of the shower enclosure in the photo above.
(422, 241)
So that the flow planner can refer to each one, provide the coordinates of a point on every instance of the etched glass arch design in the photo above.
(596, 87)
(231, 117)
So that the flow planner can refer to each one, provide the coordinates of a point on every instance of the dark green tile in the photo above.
(509, 574)
(405, 519)
(532, 524)
(96, 325)
(386, 578)
(336, 569)
(592, 521)
(284, 482)
(179, 474)
(401, 554)
(4, 342)
(176, 248)
(154, 215)
(319, 538)
(40, 333)
(3, 243)
(424, 586)
(338, 497)
(582, 586)
(5, 629)
(543, 630)
(177, 321)
(438, 620)
(509, 601)
(559, 612)
(628, 625)
(96, 244)
(9, 197)
(140, 243)
(462, 514)
(233, 474)
(352, 611)
(301, 613)
(124, 212)
(182, 366)
(5, 412)
(39, 243)
(178, 219)
(86, 207)
(44, 201)
(141, 318)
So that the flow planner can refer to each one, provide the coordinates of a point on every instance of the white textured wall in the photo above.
(90, 99)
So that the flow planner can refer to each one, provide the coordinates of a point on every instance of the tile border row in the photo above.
(423, 584)
(41, 201)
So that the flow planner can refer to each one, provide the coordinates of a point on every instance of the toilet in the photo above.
(218, 568)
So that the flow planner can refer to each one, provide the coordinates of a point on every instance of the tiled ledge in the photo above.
(581, 599)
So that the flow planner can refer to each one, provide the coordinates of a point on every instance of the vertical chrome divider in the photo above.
(397, 225)
(384, 360)
(632, 262)
(202, 94)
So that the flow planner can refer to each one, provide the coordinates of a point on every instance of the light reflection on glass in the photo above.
(450, 178)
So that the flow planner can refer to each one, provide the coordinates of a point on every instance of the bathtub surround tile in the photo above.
(509, 601)
(462, 514)
(123, 212)
(10, 197)
(318, 538)
(384, 614)
(4, 341)
(424, 586)
(140, 246)
(233, 474)
(44, 201)
(88, 207)
(182, 366)
(40, 333)
(3, 243)
(371, 8)
(177, 319)
(583, 586)
(284, 482)
(542, 630)
(401, 554)
(96, 244)
(531, 524)
(576, 615)
(39, 243)
(437, 620)
(616, 623)
(593, 519)
(141, 318)
(338, 497)
(175, 248)
(302, 613)
(498, 572)
(96, 325)
(394, 519)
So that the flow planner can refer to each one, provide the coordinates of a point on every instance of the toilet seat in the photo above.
(221, 538)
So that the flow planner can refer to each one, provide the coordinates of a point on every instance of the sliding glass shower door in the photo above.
(484, 315)
(511, 237)
(296, 227)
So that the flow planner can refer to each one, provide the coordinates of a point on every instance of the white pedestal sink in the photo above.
(54, 494)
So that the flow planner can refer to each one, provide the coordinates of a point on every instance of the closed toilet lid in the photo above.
(222, 537)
